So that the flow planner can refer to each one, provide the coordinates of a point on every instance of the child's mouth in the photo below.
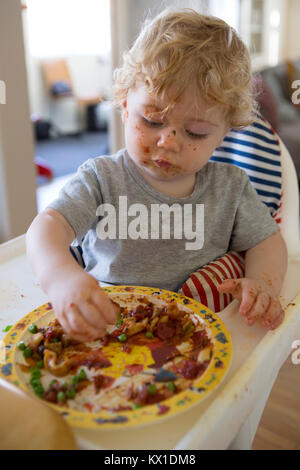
(162, 163)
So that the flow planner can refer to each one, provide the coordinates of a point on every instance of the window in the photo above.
(59, 28)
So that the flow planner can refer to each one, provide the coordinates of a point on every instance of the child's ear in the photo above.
(124, 111)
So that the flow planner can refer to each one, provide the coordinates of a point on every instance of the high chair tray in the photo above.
(229, 414)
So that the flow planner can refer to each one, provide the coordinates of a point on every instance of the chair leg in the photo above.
(246, 434)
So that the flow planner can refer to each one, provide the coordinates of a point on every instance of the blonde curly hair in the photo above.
(182, 47)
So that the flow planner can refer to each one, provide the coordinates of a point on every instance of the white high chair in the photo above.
(290, 232)
(290, 205)
(229, 417)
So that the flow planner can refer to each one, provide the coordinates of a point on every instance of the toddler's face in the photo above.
(173, 146)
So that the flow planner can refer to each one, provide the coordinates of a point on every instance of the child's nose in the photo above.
(168, 139)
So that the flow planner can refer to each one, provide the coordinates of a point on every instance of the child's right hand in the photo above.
(82, 307)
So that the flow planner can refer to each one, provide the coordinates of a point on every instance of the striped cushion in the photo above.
(256, 150)
(202, 284)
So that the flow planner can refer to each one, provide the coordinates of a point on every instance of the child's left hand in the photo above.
(257, 301)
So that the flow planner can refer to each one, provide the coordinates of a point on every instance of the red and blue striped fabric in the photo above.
(202, 284)
(256, 150)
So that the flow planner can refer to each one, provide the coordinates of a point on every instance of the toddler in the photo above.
(159, 210)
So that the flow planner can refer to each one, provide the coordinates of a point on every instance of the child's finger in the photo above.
(230, 286)
(65, 324)
(278, 320)
(272, 315)
(259, 307)
(240, 291)
(108, 309)
(248, 298)
(92, 315)
(80, 329)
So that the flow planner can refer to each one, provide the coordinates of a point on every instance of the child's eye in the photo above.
(196, 136)
(152, 123)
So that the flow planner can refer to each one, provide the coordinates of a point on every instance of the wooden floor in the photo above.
(279, 428)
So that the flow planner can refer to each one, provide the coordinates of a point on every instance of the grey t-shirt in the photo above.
(108, 197)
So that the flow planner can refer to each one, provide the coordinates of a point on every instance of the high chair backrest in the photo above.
(259, 151)
(290, 203)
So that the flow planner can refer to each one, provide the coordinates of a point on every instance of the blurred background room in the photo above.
(60, 55)
(56, 63)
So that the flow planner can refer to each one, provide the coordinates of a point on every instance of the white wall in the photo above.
(17, 170)
(142, 9)
(292, 50)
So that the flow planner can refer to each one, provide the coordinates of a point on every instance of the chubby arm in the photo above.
(81, 305)
(265, 269)
(267, 262)
(47, 240)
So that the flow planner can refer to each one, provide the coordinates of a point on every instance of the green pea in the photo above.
(34, 381)
(21, 345)
(35, 372)
(39, 391)
(75, 379)
(122, 338)
(171, 386)
(82, 374)
(54, 340)
(7, 328)
(33, 328)
(137, 406)
(27, 352)
(149, 335)
(71, 392)
(61, 396)
(152, 389)
(40, 364)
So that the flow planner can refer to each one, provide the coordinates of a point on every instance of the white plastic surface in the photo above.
(214, 423)
(290, 203)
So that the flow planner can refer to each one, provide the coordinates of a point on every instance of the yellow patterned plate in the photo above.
(12, 359)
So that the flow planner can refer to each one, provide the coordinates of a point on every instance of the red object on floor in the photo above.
(44, 170)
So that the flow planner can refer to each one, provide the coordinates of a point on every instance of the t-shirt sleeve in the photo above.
(253, 222)
(79, 199)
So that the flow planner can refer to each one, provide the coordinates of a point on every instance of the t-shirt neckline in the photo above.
(144, 185)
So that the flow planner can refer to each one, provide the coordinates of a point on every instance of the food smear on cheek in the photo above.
(146, 149)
